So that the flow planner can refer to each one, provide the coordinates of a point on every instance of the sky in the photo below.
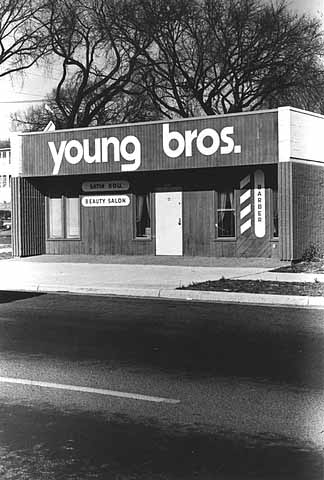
(22, 93)
(312, 6)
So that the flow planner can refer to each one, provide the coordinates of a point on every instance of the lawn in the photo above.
(315, 266)
(259, 286)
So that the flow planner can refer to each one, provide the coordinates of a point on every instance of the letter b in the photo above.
(167, 137)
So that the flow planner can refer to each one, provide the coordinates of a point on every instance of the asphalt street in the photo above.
(98, 387)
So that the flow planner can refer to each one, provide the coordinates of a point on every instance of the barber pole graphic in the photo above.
(259, 204)
(245, 204)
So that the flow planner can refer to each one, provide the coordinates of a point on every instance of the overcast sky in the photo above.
(313, 6)
(38, 83)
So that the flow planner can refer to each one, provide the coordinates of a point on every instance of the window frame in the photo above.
(218, 209)
(64, 217)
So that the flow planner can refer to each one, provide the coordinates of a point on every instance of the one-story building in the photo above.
(247, 184)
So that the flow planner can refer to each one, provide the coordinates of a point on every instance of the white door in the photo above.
(168, 220)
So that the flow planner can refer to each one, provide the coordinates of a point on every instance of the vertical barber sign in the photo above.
(259, 204)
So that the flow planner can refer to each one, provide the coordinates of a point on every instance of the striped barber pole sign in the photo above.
(245, 204)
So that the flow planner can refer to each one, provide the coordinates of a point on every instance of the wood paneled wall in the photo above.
(285, 204)
(104, 231)
(28, 218)
(256, 133)
(199, 220)
(110, 230)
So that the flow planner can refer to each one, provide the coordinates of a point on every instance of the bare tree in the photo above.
(35, 118)
(96, 65)
(133, 60)
(122, 108)
(270, 53)
(220, 56)
(168, 44)
(21, 39)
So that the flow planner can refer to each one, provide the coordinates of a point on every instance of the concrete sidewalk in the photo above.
(148, 277)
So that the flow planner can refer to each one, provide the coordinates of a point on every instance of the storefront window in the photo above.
(275, 230)
(55, 214)
(225, 214)
(72, 217)
(64, 217)
(143, 215)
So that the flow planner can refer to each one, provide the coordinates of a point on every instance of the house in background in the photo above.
(5, 187)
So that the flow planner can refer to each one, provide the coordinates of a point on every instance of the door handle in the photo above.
(179, 221)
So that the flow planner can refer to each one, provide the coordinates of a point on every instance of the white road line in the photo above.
(100, 391)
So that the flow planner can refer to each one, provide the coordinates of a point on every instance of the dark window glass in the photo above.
(143, 216)
(275, 213)
(225, 214)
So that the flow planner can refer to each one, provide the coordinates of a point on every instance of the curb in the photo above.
(185, 295)
(245, 298)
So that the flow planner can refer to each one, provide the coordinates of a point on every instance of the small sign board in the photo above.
(105, 201)
(106, 186)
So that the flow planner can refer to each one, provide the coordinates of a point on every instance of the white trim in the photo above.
(245, 226)
(245, 196)
(245, 211)
(284, 137)
(305, 112)
(307, 162)
(50, 127)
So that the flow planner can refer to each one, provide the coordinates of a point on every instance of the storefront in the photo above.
(234, 185)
